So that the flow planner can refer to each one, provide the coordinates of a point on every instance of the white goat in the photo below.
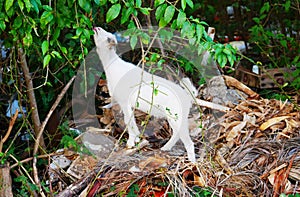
(131, 87)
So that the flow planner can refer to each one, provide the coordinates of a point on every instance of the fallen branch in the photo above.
(212, 105)
(232, 82)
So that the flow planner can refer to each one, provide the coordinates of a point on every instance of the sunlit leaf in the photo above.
(181, 18)
(133, 41)
(169, 13)
(8, 4)
(190, 3)
(46, 61)
(160, 11)
(45, 47)
(183, 4)
(86, 5)
(158, 2)
(27, 40)
(113, 12)
(138, 3)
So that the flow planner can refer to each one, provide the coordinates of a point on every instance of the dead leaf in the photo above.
(152, 163)
(235, 131)
(271, 122)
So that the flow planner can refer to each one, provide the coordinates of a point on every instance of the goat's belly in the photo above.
(158, 101)
(152, 94)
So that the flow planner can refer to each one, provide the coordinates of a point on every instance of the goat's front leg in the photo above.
(132, 128)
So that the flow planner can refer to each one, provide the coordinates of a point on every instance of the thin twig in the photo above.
(11, 124)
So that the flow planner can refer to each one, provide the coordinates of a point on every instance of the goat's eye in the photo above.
(108, 39)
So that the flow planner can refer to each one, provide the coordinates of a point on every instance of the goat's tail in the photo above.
(189, 87)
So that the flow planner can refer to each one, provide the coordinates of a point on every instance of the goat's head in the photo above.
(104, 39)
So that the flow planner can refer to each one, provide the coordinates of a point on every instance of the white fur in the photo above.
(131, 87)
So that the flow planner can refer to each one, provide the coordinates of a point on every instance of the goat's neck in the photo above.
(107, 58)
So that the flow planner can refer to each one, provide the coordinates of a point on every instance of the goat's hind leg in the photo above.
(175, 136)
(187, 141)
(132, 128)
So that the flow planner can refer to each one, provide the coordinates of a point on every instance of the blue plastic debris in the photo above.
(13, 107)
(120, 38)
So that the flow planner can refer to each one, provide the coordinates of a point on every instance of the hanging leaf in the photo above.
(158, 2)
(86, 5)
(199, 32)
(27, 40)
(190, 3)
(126, 13)
(45, 47)
(46, 18)
(8, 4)
(160, 11)
(28, 5)
(138, 3)
(183, 4)
(169, 13)
(46, 61)
(21, 5)
(133, 41)
(113, 12)
(181, 18)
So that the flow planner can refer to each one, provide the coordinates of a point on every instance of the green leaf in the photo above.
(145, 38)
(257, 20)
(21, 5)
(113, 12)
(199, 32)
(231, 60)
(64, 50)
(183, 4)
(287, 5)
(265, 8)
(56, 54)
(160, 11)
(103, 2)
(2, 25)
(28, 5)
(190, 3)
(36, 4)
(97, 2)
(85, 5)
(56, 33)
(45, 47)
(283, 43)
(181, 18)
(138, 3)
(158, 2)
(46, 18)
(27, 40)
(227, 51)
(169, 13)
(187, 30)
(133, 41)
(145, 10)
(162, 22)
(125, 14)
(8, 4)
(18, 22)
(46, 61)
(47, 8)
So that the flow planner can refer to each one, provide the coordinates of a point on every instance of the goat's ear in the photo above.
(111, 42)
